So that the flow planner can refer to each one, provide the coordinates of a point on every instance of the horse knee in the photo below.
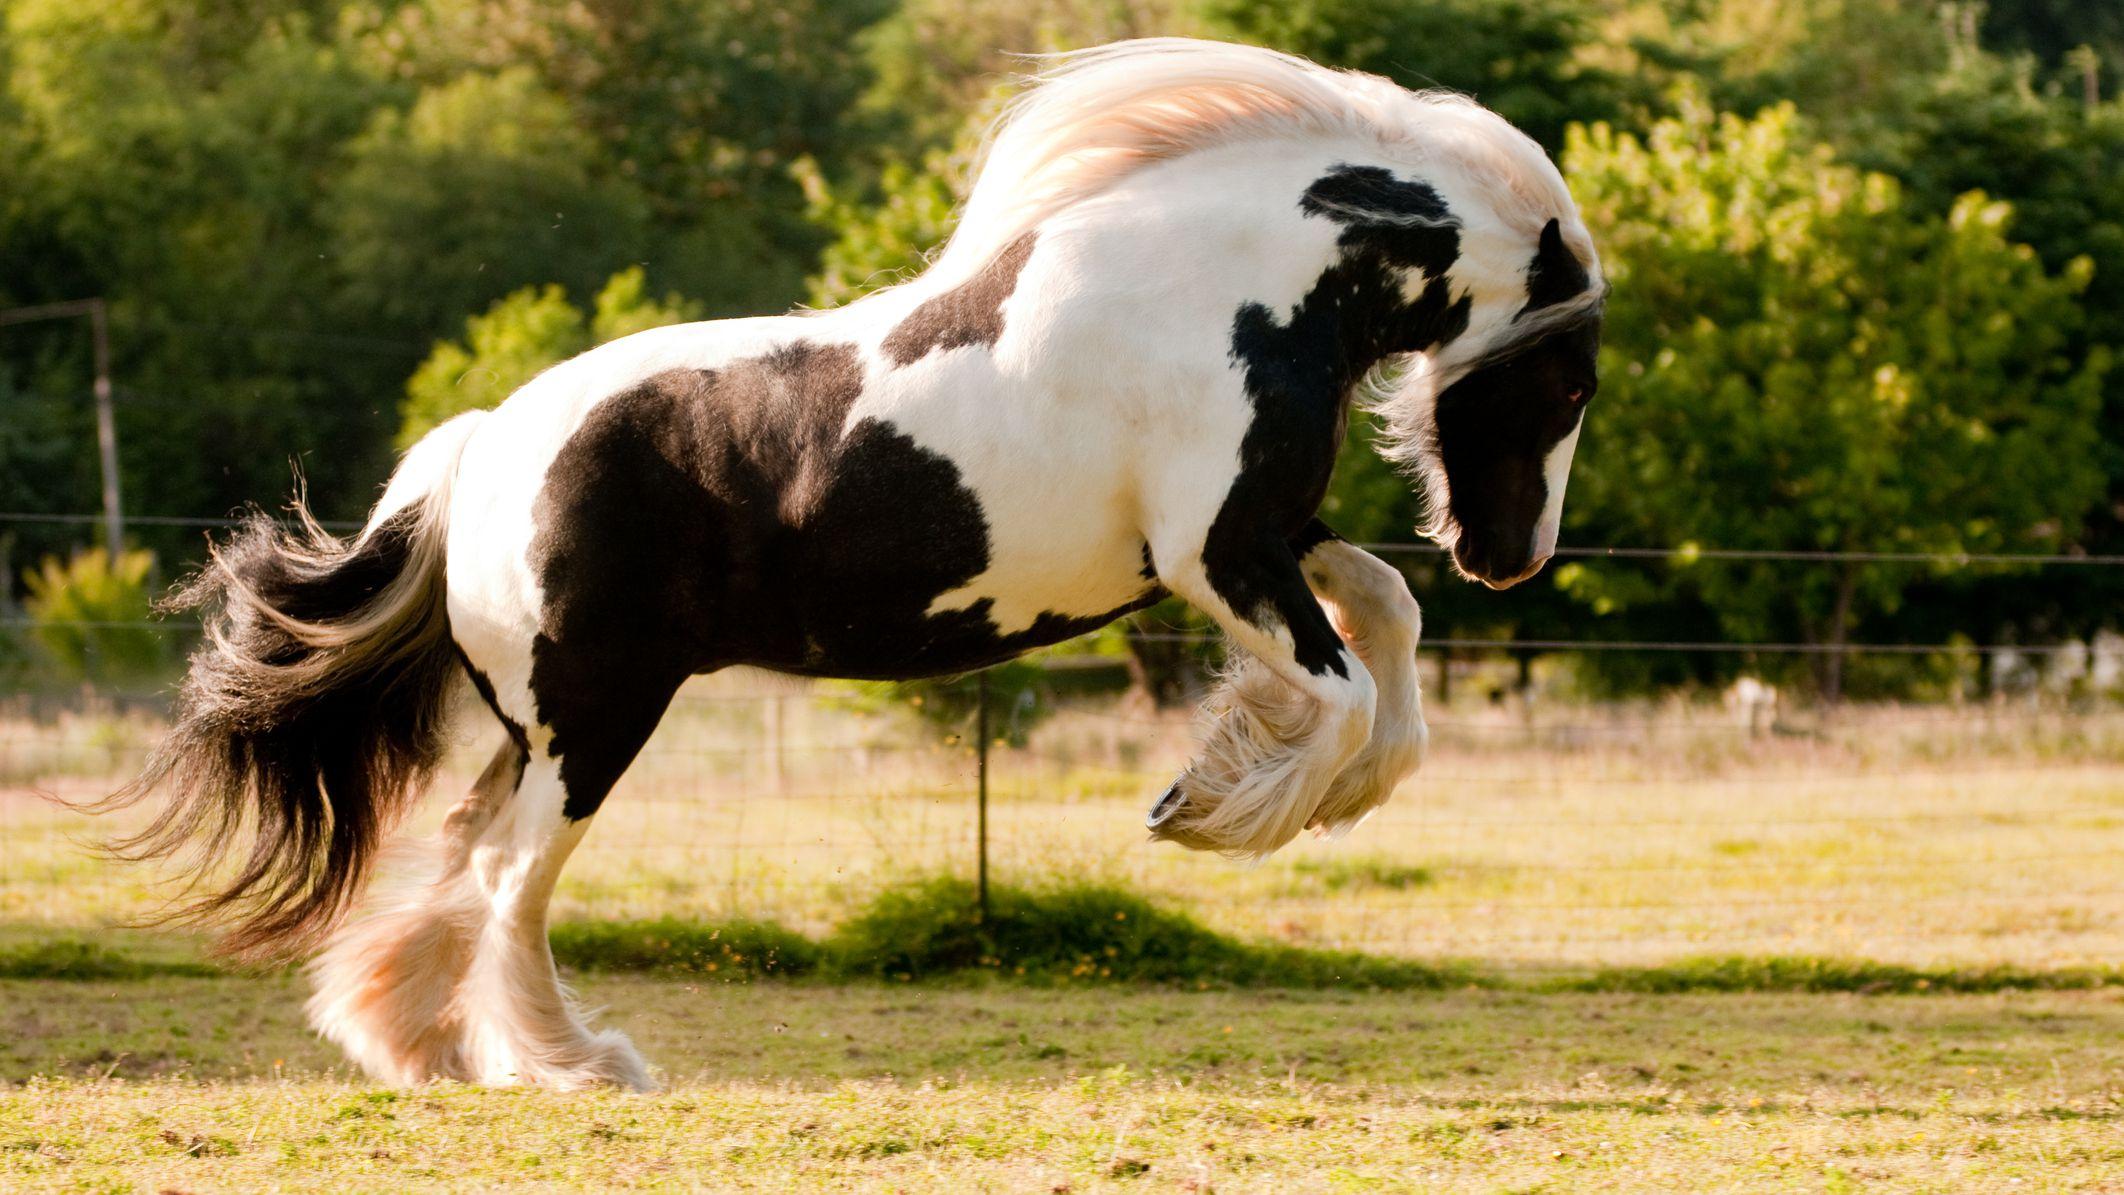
(1368, 600)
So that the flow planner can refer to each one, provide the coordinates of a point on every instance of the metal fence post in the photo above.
(981, 791)
(98, 314)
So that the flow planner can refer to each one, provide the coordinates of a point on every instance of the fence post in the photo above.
(98, 314)
(981, 791)
(106, 430)
(776, 761)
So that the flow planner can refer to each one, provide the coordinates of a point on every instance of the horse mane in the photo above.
(1092, 117)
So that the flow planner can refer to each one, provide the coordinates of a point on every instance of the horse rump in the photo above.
(311, 716)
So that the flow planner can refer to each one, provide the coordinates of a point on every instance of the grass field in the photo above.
(1562, 874)
(1586, 836)
(211, 1084)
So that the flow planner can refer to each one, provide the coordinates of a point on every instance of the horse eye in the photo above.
(1575, 395)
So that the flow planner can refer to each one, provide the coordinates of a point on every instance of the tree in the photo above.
(415, 249)
(2053, 29)
(938, 64)
(167, 157)
(286, 204)
(2061, 165)
(887, 239)
(1795, 358)
(1519, 57)
(702, 106)
(524, 333)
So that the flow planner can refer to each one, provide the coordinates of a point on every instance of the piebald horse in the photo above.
(1125, 376)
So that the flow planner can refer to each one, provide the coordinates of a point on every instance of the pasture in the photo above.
(1651, 949)
(999, 1087)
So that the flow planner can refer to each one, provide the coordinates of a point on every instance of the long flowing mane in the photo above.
(1092, 117)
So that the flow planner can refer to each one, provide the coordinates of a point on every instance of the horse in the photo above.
(1126, 375)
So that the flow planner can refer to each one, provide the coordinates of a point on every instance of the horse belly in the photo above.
(883, 614)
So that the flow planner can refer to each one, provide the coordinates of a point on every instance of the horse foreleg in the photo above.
(1295, 708)
(1369, 603)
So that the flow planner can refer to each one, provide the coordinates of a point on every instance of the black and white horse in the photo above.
(1126, 375)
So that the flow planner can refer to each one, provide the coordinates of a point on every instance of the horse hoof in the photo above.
(1166, 807)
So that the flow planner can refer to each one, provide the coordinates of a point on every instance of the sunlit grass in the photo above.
(197, 1085)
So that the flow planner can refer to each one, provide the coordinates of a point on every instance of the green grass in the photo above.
(1883, 958)
(1083, 934)
(669, 946)
(71, 958)
(203, 1085)
(1807, 974)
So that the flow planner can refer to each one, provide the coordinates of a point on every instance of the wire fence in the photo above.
(1544, 831)
(1540, 833)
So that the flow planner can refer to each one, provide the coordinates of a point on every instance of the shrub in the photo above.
(1081, 932)
(90, 615)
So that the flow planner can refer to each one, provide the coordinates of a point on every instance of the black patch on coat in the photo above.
(967, 314)
(1405, 223)
(1299, 373)
(1555, 275)
(706, 518)
(482, 685)
(1312, 535)
(1496, 427)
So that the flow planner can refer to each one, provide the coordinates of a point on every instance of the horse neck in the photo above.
(1178, 250)
(1184, 245)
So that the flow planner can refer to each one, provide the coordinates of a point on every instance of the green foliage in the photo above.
(1795, 357)
(288, 203)
(885, 236)
(517, 338)
(1849, 63)
(938, 64)
(89, 615)
(2070, 36)
(486, 183)
(1520, 57)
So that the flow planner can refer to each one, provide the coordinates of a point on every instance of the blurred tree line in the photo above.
(1868, 257)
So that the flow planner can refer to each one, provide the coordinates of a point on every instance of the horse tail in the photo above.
(311, 715)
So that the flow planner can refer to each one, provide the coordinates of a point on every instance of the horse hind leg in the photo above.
(387, 986)
(455, 979)
(519, 1024)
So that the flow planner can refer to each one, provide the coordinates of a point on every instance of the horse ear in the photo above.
(1555, 274)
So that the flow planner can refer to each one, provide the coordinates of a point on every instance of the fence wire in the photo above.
(1540, 833)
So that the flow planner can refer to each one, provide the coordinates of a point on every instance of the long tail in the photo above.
(312, 714)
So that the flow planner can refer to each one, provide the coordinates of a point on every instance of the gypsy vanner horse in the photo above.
(1125, 376)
